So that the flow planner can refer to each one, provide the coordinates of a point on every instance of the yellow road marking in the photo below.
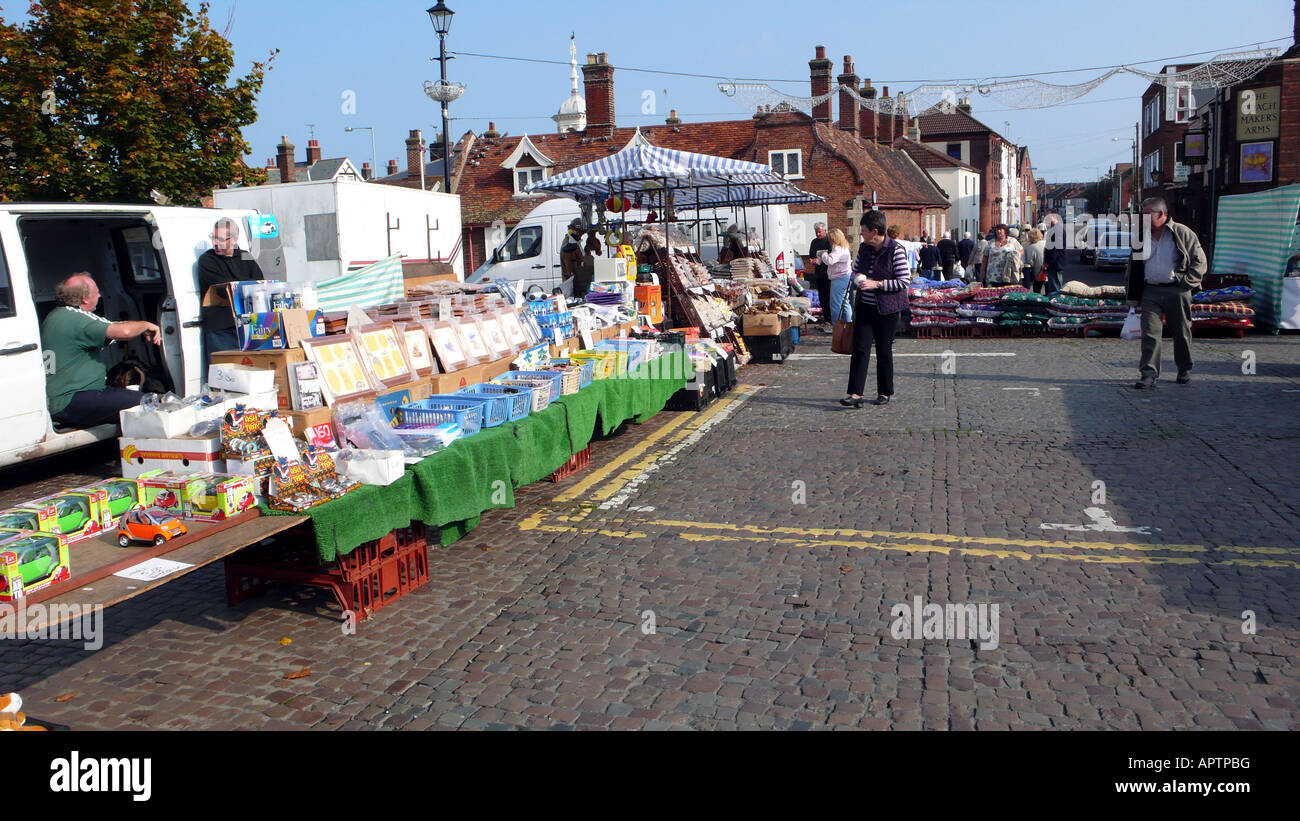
(686, 421)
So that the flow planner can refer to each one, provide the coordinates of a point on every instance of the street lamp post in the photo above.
(374, 170)
(443, 91)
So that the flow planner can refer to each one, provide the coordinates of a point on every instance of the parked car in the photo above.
(142, 525)
(1115, 252)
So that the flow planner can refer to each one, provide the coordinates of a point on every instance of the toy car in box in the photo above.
(16, 519)
(31, 561)
(168, 491)
(216, 496)
(142, 524)
(78, 514)
(121, 495)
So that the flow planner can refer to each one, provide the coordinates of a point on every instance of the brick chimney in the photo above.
(414, 154)
(491, 133)
(366, 171)
(964, 105)
(868, 118)
(313, 152)
(598, 88)
(392, 167)
(904, 121)
(849, 111)
(673, 119)
(819, 69)
(284, 159)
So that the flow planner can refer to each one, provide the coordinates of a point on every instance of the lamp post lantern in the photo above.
(374, 171)
(443, 91)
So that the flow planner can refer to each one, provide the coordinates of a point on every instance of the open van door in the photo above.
(22, 376)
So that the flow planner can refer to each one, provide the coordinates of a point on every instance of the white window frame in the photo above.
(531, 171)
(1184, 104)
(785, 154)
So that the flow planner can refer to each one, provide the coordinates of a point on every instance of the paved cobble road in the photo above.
(742, 567)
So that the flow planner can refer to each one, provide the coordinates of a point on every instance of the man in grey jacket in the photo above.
(1162, 281)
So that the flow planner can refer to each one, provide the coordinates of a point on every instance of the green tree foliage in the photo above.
(104, 100)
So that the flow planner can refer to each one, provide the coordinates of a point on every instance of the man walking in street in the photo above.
(1161, 280)
(820, 279)
(929, 259)
(965, 248)
(948, 253)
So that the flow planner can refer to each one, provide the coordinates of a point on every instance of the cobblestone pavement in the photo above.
(766, 541)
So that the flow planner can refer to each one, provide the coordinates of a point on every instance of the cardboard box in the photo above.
(277, 361)
(232, 376)
(762, 325)
(496, 368)
(454, 381)
(121, 495)
(315, 426)
(185, 454)
(171, 492)
(157, 424)
(372, 467)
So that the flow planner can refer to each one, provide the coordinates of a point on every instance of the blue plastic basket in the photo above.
(509, 401)
(437, 409)
(495, 408)
(557, 379)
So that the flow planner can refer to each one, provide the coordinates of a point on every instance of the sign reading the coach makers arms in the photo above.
(1258, 112)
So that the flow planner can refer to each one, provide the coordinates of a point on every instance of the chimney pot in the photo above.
(284, 159)
(850, 115)
(313, 151)
(598, 88)
(821, 52)
(392, 167)
(366, 171)
(819, 70)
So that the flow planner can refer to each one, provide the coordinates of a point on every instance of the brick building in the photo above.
(1258, 146)
(958, 134)
(850, 161)
(1166, 113)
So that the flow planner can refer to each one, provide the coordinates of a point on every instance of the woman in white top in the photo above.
(837, 261)
(1002, 258)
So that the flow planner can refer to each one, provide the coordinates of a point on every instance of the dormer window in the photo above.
(788, 164)
(527, 165)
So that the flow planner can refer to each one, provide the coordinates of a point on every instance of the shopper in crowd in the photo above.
(736, 245)
(965, 248)
(929, 255)
(1002, 258)
(819, 279)
(1054, 252)
(837, 261)
(73, 337)
(224, 263)
(1162, 281)
(880, 279)
(977, 260)
(948, 254)
(1034, 261)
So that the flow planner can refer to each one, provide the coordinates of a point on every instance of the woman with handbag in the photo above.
(880, 282)
(837, 264)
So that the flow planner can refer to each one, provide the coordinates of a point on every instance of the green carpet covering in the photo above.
(451, 488)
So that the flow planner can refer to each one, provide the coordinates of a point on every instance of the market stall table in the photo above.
(452, 488)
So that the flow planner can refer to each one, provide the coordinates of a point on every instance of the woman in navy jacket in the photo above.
(881, 277)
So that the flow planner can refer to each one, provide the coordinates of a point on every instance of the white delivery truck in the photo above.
(530, 252)
(329, 227)
(144, 259)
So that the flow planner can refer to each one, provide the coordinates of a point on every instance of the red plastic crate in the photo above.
(369, 578)
(576, 462)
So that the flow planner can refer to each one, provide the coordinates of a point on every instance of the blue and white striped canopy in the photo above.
(696, 180)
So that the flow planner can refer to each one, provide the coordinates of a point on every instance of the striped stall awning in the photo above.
(1253, 237)
(696, 180)
(376, 284)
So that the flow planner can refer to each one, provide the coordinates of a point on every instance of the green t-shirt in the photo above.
(74, 343)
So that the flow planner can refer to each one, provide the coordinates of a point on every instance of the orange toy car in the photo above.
(142, 525)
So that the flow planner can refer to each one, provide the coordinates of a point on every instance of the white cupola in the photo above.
(572, 115)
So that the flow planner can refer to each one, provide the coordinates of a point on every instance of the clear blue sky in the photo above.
(381, 52)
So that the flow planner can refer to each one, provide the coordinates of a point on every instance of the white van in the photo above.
(144, 259)
(530, 252)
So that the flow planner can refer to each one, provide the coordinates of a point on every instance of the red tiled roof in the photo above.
(927, 157)
(487, 190)
(890, 173)
(934, 123)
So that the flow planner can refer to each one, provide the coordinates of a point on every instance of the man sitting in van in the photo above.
(74, 336)
(223, 263)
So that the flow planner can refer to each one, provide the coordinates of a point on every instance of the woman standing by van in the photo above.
(837, 264)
